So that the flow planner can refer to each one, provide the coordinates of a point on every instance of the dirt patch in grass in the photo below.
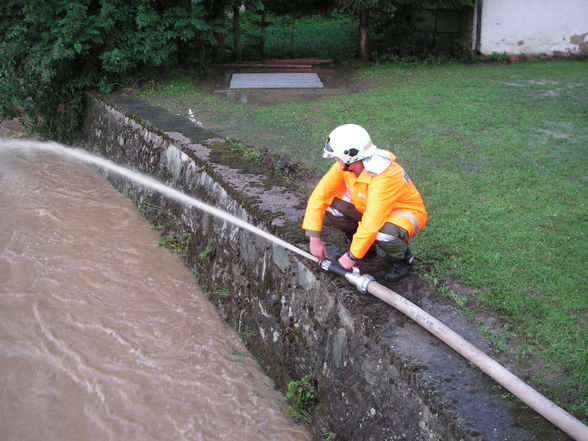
(340, 80)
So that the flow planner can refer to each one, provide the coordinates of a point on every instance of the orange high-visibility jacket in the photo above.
(386, 194)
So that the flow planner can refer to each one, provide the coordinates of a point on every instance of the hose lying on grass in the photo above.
(546, 408)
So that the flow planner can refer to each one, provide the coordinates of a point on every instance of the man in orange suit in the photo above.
(368, 196)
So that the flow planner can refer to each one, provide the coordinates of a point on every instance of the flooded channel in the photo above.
(103, 334)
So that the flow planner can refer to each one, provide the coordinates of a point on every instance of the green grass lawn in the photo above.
(499, 152)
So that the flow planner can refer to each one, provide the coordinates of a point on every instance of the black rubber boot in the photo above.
(371, 253)
(400, 269)
(338, 253)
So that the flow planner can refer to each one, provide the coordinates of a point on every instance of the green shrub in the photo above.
(51, 51)
(331, 36)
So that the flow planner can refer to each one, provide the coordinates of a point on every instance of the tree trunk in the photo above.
(203, 51)
(185, 57)
(237, 32)
(262, 35)
(219, 15)
(364, 54)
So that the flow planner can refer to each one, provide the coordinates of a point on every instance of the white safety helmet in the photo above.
(350, 143)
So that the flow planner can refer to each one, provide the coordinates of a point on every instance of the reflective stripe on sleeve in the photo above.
(409, 216)
(334, 212)
(383, 237)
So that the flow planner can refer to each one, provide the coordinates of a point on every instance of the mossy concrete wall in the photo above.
(379, 376)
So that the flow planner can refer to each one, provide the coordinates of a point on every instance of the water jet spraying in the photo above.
(157, 186)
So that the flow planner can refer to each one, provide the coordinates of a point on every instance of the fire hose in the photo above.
(536, 401)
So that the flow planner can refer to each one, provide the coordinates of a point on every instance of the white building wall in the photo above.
(534, 26)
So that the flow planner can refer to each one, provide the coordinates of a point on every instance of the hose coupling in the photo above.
(360, 281)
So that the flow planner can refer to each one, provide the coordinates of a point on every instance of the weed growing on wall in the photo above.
(302, 396)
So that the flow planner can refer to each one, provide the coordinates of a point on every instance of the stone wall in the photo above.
(379, 376)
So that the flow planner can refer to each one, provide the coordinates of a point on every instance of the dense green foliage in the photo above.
(399, 40)
(498, 151)
(328, 36)
(51, 50)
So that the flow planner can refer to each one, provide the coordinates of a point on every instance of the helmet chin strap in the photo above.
(357, 170)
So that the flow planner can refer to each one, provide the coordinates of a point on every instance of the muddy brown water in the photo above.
(103, 334)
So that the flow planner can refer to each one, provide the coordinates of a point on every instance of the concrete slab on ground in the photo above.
(275, 81)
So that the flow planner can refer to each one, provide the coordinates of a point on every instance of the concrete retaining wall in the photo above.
(379, 375)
